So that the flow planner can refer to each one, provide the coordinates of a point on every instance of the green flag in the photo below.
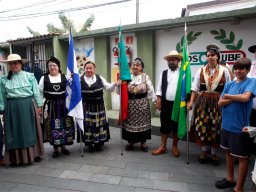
(125, 74)
(179, 112)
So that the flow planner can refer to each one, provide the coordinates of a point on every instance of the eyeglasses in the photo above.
(52, 65)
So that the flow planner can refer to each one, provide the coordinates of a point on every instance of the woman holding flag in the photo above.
(137, 126)
(58, 127)
(96, 128)
(208, 83)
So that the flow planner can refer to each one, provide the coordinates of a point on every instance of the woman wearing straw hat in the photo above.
(58, 127)
(20, 99)
(208, 83)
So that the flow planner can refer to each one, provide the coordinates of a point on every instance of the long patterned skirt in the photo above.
(137, 127)
(206, 119)
(58, 126)
(96, 127)
(23, 133)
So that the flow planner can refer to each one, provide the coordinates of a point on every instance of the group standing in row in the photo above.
(214, 97)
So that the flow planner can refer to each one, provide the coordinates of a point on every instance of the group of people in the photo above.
(221, 109)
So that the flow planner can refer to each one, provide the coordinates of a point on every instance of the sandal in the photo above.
(65, 151)
(55, 154)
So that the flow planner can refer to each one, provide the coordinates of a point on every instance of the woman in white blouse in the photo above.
(58, 127)
(137, 126)
(96, 128)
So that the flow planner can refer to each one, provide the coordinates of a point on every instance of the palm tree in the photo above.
(66, 24)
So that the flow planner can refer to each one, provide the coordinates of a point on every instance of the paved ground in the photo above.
(108, 170)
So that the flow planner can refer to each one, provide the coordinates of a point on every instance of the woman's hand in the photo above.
(39, 111)
(158, 103)
(119, 82)
(189, 106)
(245, 129)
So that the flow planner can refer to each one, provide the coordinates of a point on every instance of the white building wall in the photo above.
(167, 40)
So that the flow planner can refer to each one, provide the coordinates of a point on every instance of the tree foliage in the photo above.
(66, 24)
(88, 23)
(34, 33)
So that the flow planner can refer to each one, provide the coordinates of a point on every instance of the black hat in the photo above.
(54, 60)
(252, 49)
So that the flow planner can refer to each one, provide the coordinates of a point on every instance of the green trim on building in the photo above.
(103, 64)
(60, 51)
(146, 51)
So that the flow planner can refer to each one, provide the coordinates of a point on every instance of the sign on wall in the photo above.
(131, 53)
(84, 49)
(233, 40)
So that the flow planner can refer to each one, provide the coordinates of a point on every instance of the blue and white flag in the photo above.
(73, 96)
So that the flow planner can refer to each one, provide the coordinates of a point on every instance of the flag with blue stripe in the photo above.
(73, 96)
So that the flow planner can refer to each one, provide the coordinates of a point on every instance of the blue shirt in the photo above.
(236, 115)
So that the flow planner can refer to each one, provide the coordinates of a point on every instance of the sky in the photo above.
(15, 15)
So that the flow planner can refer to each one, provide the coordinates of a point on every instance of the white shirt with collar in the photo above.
(172, 82)
(107, 86)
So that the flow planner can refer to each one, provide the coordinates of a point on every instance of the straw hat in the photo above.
(14, 57)
(173, 53)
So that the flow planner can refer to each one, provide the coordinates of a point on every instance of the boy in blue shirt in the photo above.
(236, 103)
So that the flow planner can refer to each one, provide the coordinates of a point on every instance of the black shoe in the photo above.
(55, 154)
(90, 149)
(144, 148)
(97, 147)
(203, 160)
(224, 183)
(37, 159)
(65, 151)
(215, 162)
(129, 147)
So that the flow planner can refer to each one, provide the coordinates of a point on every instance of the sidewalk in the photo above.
(109, 171)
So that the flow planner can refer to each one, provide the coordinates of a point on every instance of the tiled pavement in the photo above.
(108, 170)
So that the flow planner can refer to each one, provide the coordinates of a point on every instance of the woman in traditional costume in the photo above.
(137, 127)
(58, 127)
(21, 102)
(206, 88)
(96, 128)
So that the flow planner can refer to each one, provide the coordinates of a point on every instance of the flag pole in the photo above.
(125, 76)
(73, 74)
(120, 108)
(80, 136)
(187, 113)
(120, 119)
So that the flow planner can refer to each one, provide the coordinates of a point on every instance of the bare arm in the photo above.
(223, 102)
(245, 97)
(159, 102)
(191, 101)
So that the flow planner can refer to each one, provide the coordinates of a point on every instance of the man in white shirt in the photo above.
(166, 91)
